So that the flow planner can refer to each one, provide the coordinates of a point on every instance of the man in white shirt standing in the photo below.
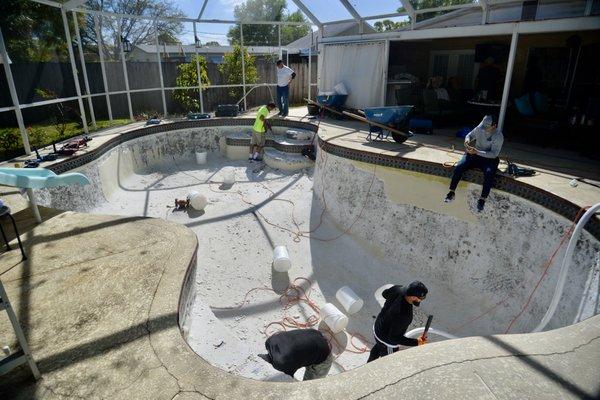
(284, 77)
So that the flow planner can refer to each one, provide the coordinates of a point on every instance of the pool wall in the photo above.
(403, 220)
(142, 151)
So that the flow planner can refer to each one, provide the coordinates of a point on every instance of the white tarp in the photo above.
(360, 66)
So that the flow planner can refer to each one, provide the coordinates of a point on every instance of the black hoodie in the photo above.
(395, 318)
(292, 350)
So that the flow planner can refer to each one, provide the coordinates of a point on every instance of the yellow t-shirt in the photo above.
(259, 125)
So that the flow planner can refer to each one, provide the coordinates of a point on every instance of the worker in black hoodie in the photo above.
(289, 351)
(395, 318)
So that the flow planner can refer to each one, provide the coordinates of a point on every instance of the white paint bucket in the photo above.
(379, 294)
(201, 157)
(229, 177)
(281, 259)
(334, 318)
(197, 201)
(349, 300)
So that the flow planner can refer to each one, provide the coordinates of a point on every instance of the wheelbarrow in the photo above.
(395, 117)
(333, 101)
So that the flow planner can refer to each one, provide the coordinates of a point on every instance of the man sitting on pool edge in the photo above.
(483, 155)
(259, 132)
(289, 351)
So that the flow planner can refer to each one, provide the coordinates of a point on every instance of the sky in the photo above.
(325, 10)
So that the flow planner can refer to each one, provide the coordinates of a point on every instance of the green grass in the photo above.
(41, 135)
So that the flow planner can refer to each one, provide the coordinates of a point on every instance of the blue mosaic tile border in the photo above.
(539, 196)
(546, 199)
(78, 161)
(286, 148)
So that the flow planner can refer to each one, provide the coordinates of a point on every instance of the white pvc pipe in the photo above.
(243, 64)
(84, 70)
(310, 64)
(419, 331)
(564, 269)
(74, 69)
(100, 42)
(13, 95)
(160, 75)
(198, 70)
(124, 65)
(33, 205)
(508, 78)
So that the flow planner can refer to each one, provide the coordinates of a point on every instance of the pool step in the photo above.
(280, 142)
(235, 145)
(286, 161)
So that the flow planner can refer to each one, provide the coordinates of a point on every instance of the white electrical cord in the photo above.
(564, 269)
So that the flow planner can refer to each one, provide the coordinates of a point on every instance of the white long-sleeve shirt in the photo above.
(284, 75)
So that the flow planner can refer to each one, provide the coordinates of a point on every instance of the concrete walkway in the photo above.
(99, 299)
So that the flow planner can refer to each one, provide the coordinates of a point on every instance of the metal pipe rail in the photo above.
(257, 86)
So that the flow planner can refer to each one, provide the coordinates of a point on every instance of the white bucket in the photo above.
(349, 300)
(379, 294)
(334, 318)
(201, 157)
(340, 88)
(229, 177)
(281, 259)
(197, 200)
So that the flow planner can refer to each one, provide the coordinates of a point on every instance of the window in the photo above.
(459, 63)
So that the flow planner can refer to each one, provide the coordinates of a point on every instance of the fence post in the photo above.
(160, 74)
(100, 42)
(124, 64)
(198, 71)
(13, 94)
(74, 68)
(84, 70)
(243, 64)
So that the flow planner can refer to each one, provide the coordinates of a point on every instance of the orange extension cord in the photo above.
(295, 294)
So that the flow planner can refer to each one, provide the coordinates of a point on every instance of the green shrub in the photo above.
(232, 70)
(187, 75)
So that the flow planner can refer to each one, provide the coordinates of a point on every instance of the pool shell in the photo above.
(349, 170)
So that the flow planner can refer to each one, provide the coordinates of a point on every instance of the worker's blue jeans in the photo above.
(487, 165)
(283, 93)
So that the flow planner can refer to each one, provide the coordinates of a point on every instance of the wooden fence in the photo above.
(57, 77)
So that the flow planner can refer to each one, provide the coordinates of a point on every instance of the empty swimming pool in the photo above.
(345, 223)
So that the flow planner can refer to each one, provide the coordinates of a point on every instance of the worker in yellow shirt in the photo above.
(259, 132)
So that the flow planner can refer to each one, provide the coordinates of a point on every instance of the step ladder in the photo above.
(23, 355)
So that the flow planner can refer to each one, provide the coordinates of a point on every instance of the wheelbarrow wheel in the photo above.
(398, 138)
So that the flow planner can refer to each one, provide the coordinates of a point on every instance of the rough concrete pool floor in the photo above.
(236, 234)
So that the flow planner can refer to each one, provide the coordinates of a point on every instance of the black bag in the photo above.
(516, 171)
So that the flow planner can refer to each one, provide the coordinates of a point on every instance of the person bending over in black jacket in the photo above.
(395, 318)
(292, 350)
